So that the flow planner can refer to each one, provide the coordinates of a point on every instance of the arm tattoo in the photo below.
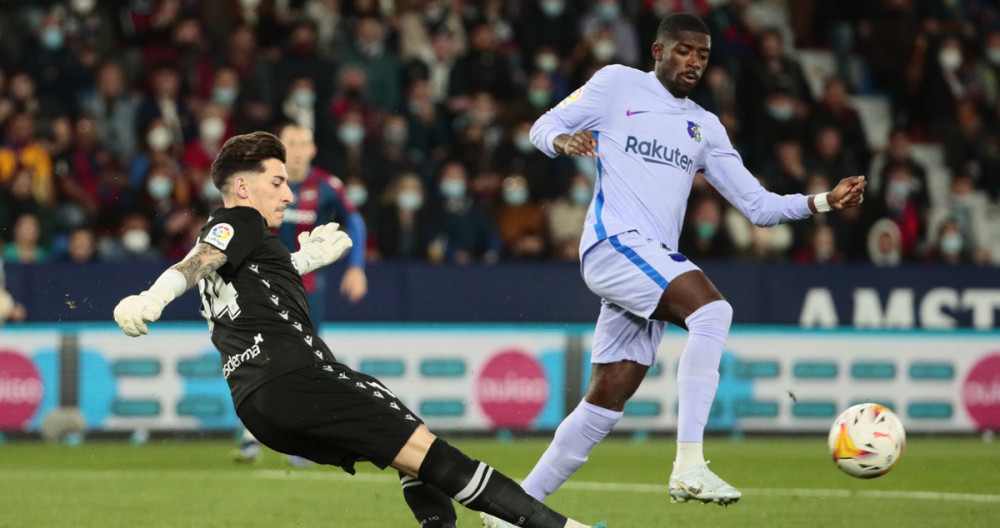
(200, 263)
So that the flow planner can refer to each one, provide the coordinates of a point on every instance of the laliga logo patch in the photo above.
(694, 130)
(219, 236)
(571, 97)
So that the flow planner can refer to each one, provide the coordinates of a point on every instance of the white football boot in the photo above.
(700, 484)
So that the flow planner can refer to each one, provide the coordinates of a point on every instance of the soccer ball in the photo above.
(866, 440)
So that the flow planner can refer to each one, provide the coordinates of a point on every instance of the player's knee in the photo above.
(711, 320)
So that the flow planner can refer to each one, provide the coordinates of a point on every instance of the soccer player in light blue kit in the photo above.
(650, 140)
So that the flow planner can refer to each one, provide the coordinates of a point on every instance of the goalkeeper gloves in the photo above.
(134, 311)
(318, 248)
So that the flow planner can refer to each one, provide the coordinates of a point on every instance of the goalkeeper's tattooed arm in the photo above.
(134, 311)
(199, 263)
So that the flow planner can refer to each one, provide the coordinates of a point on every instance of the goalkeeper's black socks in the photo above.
(431, 507)
(478, 486)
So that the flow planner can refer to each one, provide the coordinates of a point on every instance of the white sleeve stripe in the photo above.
(476, 485)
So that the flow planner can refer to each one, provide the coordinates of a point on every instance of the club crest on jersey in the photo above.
(219, 236)
(694, 130)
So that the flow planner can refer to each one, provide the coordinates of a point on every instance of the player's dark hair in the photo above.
(673, 24)
(245, 153)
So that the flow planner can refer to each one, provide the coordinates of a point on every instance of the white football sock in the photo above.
(698, 371)
(576, 436)
(689, 455)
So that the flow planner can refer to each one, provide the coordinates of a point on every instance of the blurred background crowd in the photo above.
(111, 112)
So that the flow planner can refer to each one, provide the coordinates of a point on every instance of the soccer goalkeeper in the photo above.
(287, 386)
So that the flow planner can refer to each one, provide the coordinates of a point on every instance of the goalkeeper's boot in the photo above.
(700, 484)
(248, 453)
(490, 521)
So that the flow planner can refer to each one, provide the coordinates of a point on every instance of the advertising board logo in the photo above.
(512, 389)
(981, 392)
(21, 390)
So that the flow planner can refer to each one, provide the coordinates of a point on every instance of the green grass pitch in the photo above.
(787, 482)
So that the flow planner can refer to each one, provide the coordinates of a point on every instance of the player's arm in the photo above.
(134, 311)
(566, 128)
(320, 247)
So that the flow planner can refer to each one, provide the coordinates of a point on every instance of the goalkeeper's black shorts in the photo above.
(329, 414)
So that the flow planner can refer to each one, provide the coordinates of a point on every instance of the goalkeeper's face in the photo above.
(267, 192)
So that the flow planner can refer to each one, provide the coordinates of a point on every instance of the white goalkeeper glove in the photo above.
(323, 246)
(134, 311)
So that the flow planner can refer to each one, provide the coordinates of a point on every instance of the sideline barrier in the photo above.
(474, 377)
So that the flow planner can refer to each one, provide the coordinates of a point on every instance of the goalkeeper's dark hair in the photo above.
(673, 24)
(245, 153)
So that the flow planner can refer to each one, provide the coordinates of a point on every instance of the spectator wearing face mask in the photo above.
(898, 202)
(770, 70)
(213, 130)
(704, 235)
(783, 118)
(113, 105)
(547, 177)
(566, 216)
(369, 52)
(950, 246)
(820, 247)
(459, 224)
(25, 245)
(166, 105)
(157, 151)
(967, 208)
(401, 232)
(621, 42)
(521, 221)
(884, 249)
(133, 240)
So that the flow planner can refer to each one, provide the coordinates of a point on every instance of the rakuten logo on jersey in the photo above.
(21, 390)
(512, 389)
(654, 152)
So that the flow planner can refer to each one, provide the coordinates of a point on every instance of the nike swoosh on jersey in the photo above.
(631, 112)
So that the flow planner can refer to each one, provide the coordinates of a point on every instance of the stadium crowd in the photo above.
(112, 112)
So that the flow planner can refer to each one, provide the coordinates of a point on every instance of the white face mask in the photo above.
(409, 200)
(547, 62)
(993, 55)
(452, 188)
(351, 134)
(135, 241)
(552, 8)
(781, 111)
(212, 129)
(580, 195)
(950, 58)
(522, 142)
(160, 139)
(160, 187)
(82, 6)
(303, 97)
(603, 50)
(357, 194)
(951, 244)
(515, 196)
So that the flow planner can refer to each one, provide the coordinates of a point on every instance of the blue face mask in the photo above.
(225, 96)
(552, 8)
(452, 188)
(303, 97)
(160, 187)
(580, 195)
(409, 200)
(52, 38)
(705, 230)
(351, 134)
(515, 196)
(357, 194)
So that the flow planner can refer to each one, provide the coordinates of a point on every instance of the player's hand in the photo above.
(848, 193)
(580, 144)
(134, 311)
(324, 245)
(354, 285)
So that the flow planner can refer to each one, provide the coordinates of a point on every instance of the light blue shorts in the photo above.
(629, 272)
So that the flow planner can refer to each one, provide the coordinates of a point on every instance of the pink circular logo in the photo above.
(21, 390)
(981, 392)
(512, 389)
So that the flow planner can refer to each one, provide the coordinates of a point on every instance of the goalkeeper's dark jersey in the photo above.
(255, 303)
